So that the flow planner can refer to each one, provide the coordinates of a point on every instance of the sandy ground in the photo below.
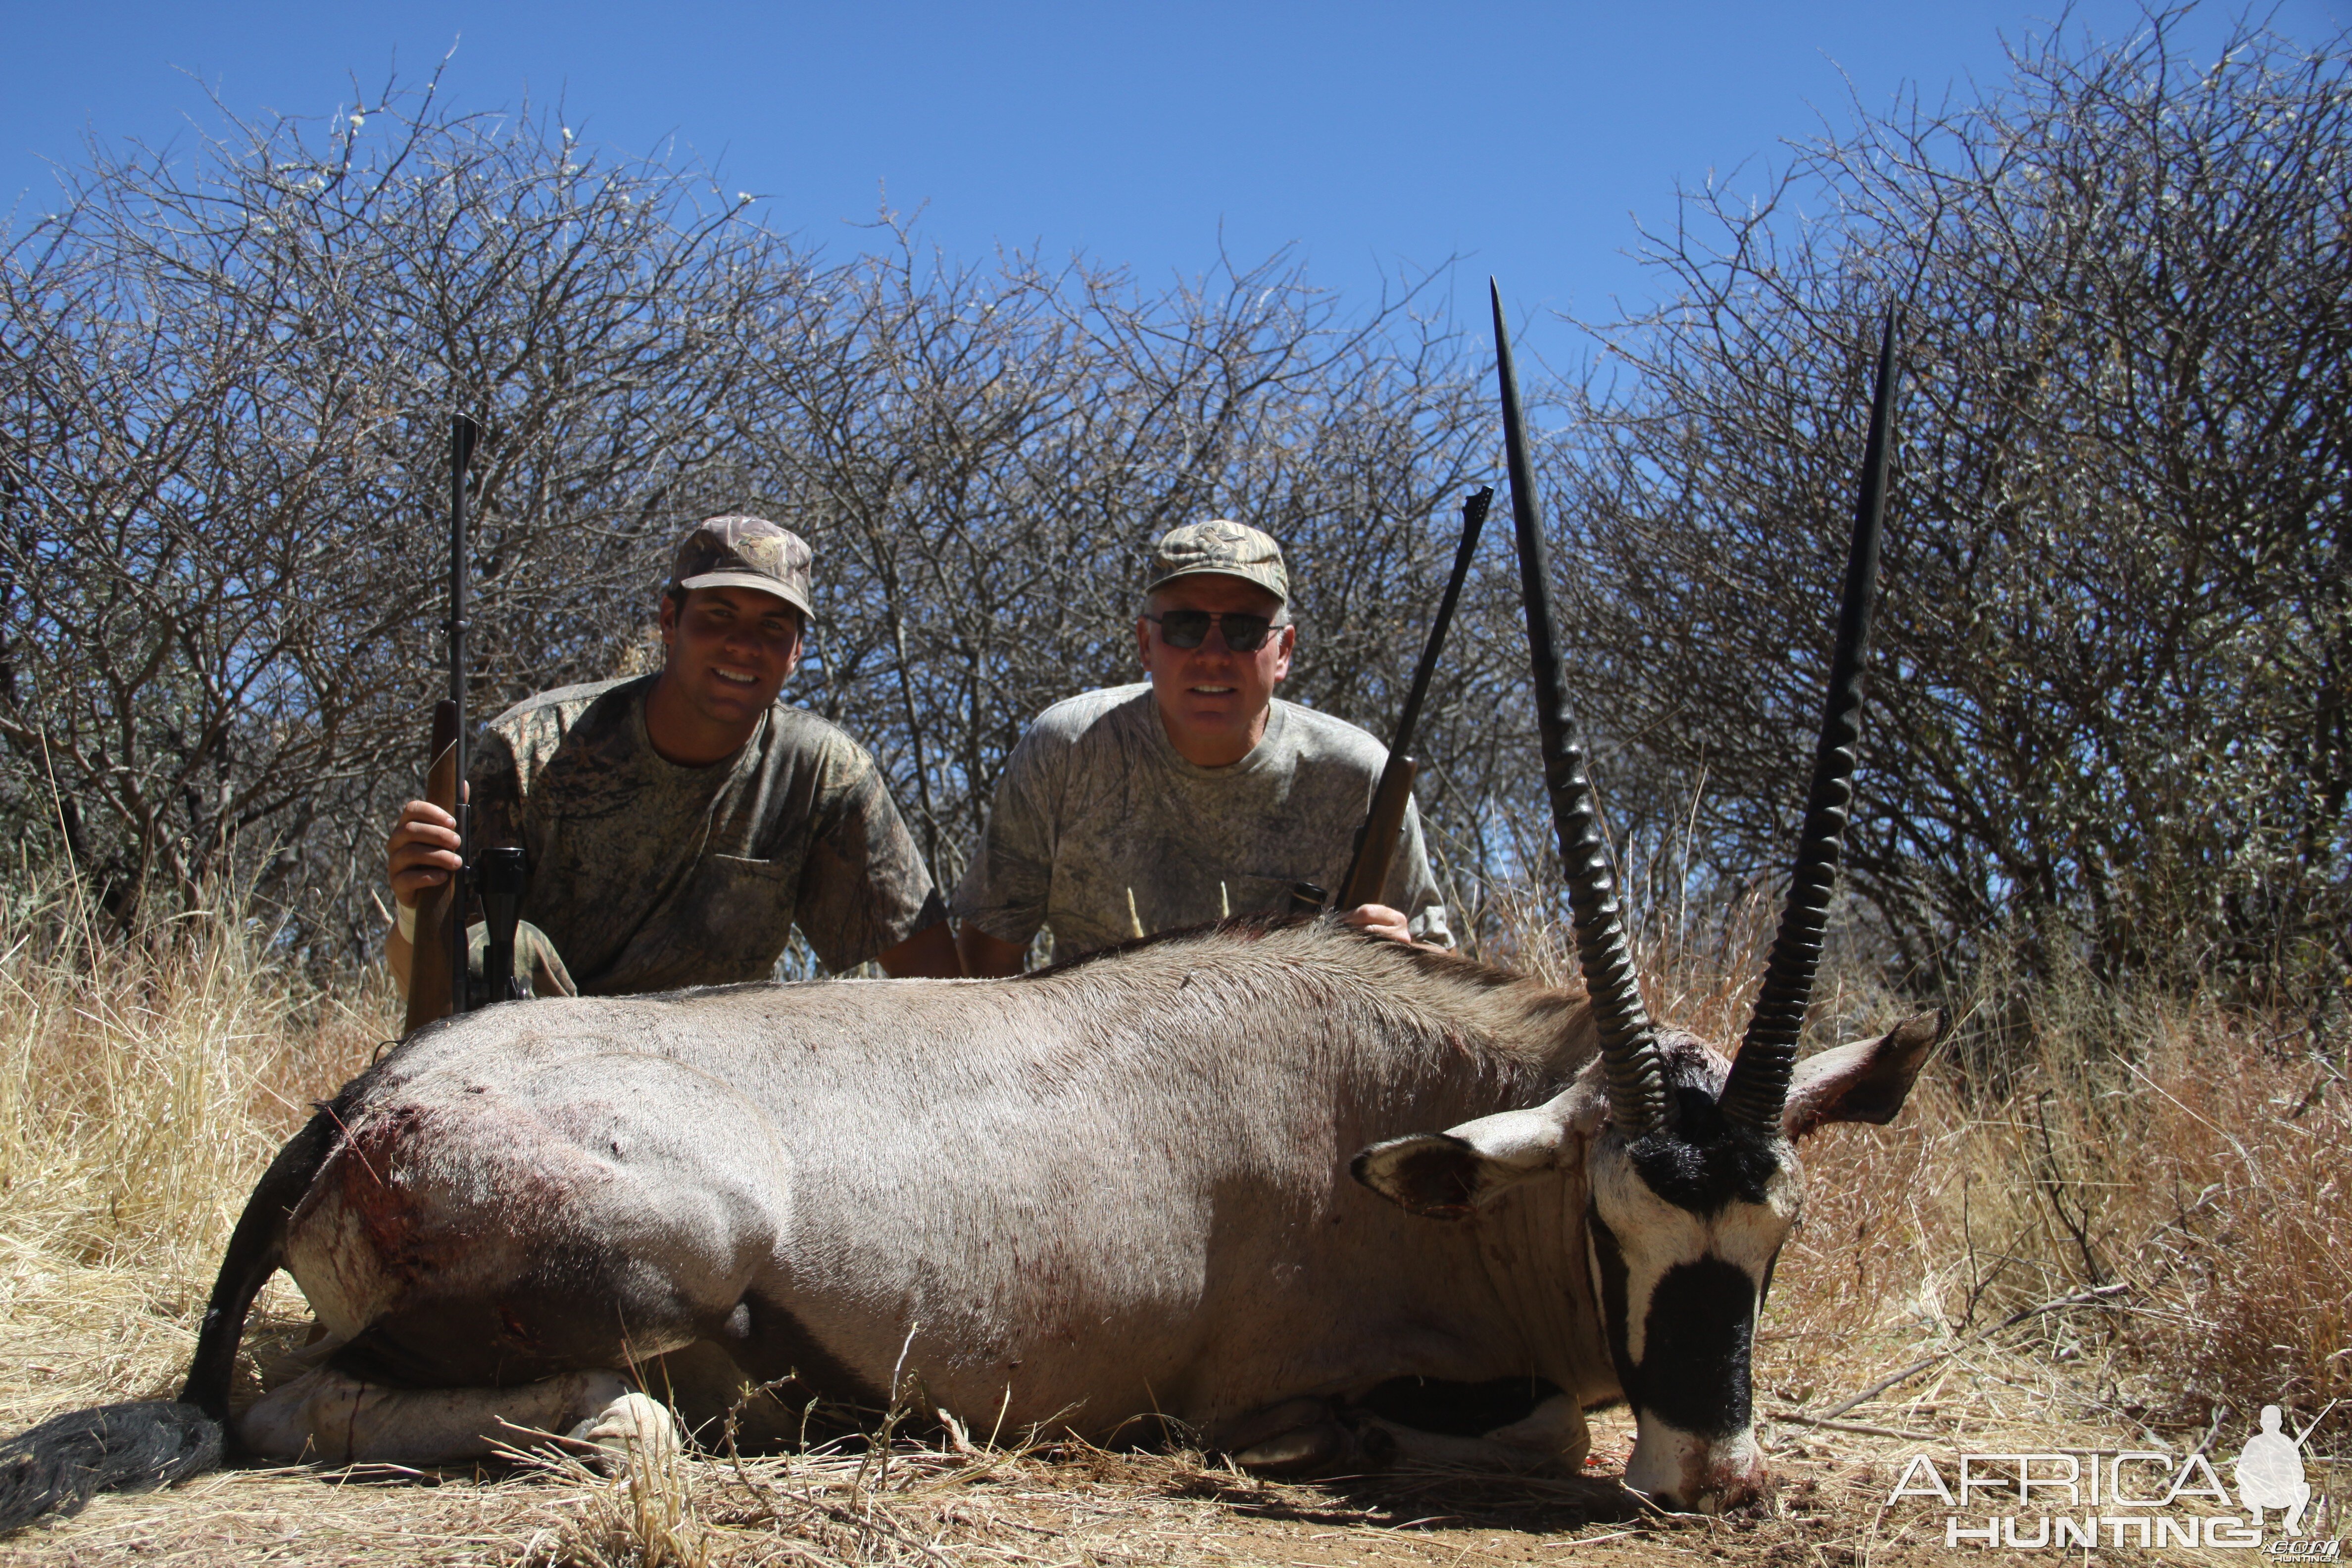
(1061, 1508)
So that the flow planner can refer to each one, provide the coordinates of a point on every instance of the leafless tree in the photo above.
(2109, 717)
(2111, 709)
(987, 458)
(227, 377)
(225, 380)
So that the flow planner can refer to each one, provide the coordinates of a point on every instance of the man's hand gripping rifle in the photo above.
(439, 964)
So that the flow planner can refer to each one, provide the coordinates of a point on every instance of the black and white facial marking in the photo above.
(1683, 1227)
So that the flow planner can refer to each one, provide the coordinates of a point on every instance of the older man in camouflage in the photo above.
(677, 825)
(1192, 795)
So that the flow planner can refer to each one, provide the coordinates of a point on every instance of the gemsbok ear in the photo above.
(1449, 1174)
(1865, 1081)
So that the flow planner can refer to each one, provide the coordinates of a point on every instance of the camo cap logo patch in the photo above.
(741, 552)
(1223, 547)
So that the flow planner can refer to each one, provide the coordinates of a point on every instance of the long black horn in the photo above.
(1758, 1084)
(1628, 1050)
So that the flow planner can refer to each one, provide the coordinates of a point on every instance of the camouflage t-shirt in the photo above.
(1099, 826)
(649, 876)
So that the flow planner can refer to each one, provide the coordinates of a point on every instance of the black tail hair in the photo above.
(60, 1465)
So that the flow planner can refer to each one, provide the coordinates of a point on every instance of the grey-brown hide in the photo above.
(1087, 1195)
(1108, 1192)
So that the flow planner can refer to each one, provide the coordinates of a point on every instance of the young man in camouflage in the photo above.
(677, 825)
(1195, 794)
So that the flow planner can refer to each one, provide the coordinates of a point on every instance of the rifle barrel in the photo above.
(1376, 844)
(463, 432)
(1473, 518)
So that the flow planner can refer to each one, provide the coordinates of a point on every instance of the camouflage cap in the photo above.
(739, 552)
(1223, 547)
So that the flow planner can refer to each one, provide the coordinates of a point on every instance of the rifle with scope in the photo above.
(438, 982)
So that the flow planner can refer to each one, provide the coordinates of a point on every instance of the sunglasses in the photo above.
(1190, 628)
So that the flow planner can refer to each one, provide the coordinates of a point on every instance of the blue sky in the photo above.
(1524, 137)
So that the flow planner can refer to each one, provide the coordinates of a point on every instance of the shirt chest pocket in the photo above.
(739, 912)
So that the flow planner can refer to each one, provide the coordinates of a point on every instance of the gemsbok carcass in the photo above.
(1242, 1178)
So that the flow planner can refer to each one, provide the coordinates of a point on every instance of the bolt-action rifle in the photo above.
(1376, 842)
(437, 966)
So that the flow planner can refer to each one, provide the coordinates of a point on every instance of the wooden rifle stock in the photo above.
(1368, 877)
(432, 972)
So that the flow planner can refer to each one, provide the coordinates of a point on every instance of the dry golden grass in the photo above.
(141, 1092)
(2160, 1160)
(2138, 1239)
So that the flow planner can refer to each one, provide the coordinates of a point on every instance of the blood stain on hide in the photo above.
(373, 1189)
(512, 1323)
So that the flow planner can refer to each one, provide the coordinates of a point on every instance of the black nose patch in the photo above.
(1701, 1330)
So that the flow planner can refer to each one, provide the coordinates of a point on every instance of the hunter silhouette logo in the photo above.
(2270, 1473)
(2129, 1497)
